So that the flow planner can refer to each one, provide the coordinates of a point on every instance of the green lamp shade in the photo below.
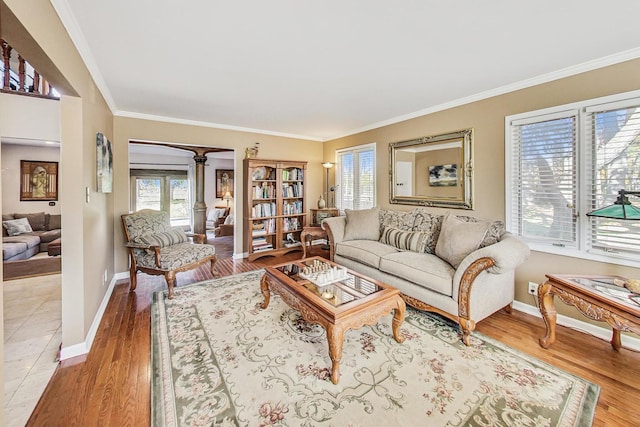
(617, 211)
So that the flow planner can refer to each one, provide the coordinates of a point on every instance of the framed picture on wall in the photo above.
(38, 180)
(224, 182)
(104, 164)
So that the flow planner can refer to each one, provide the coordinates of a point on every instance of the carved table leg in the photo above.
(335, 336)
(303, 238)
(398, 318)
(548, 312)
(264, 287)
(615, 339)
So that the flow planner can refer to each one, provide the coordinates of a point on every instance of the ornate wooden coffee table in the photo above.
(356, 301)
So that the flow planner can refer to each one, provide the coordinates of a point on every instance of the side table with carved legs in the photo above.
(595, 297)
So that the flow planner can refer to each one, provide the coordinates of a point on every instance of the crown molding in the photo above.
(617, 58)
(142, 116)
(80, 42)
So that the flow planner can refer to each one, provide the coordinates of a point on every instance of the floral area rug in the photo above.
(218, 359)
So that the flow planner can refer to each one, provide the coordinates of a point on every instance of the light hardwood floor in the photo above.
(111, 385)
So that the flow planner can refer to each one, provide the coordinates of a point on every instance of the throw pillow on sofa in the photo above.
(404, 240)
(16, 227)
(459, 238)
(362, 224)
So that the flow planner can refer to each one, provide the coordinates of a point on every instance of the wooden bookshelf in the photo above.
(275, 206)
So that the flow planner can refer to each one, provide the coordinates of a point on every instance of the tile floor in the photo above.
(32, 336)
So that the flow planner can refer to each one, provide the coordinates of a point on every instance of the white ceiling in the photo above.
(329, 68)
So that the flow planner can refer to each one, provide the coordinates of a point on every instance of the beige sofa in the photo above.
(458, 267)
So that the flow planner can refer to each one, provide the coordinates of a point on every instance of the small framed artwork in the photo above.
(104, 164)
(38, 180)
(224, 182)
(443, 176)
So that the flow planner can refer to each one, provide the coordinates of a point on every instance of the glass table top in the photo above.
(341, 292)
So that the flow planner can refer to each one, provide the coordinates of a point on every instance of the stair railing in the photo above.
(27, 81)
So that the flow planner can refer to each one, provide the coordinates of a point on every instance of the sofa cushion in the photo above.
(364, 251)
(29, 239)
(17, 226)
(175, 256)
(36, 220)
(395, 219)
(53, 222)
(494, 233)
(165, 238)
(10, 250)
(404, 240)
(49, 236)
(362, 224)
(425, 270)
(459, 238)
(429, 224)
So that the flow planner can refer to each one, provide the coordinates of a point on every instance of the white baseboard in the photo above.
(84, 347)
(631, 343)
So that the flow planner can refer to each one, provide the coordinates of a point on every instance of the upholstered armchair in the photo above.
(216, 216)
(158, 249)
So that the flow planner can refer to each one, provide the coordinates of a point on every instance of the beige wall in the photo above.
(487, 117)
(88, 227)
(271, 147)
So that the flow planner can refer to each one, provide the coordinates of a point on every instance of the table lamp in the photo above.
(227, 197)
(327, 166)
(620, 209)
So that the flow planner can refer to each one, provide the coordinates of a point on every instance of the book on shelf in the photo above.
(294, 174)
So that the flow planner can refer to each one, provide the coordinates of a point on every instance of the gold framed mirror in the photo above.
(433, 171)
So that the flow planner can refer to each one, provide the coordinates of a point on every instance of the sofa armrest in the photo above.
(334, 227)
(507, 254)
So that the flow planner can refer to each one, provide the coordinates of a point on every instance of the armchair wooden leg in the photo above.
(508, 308)
(171, 281)
(212, 267)
(133, 277)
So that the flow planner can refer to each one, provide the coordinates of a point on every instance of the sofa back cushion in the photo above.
(362, 224)
(36, 220)
(413, 241)
(459, 238)
(164, 238)
(399, 220)
(18, 226)
(429, 224)
(6, 217)
(52, 222)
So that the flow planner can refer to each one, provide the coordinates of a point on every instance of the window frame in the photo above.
(338, 171)
(582, 168)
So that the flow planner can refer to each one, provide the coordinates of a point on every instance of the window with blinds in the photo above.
(544, 178)
(614, 164)
(355, 178)
(566, 161)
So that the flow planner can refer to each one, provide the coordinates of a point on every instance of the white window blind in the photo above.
(614, 164)
(566, 161)
(543, 178)
(355, 178)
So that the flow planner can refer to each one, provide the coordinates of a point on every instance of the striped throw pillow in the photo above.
(165, 238)
(413, 241)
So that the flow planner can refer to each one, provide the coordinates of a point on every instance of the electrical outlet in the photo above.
(104, 278)
(533, 288)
